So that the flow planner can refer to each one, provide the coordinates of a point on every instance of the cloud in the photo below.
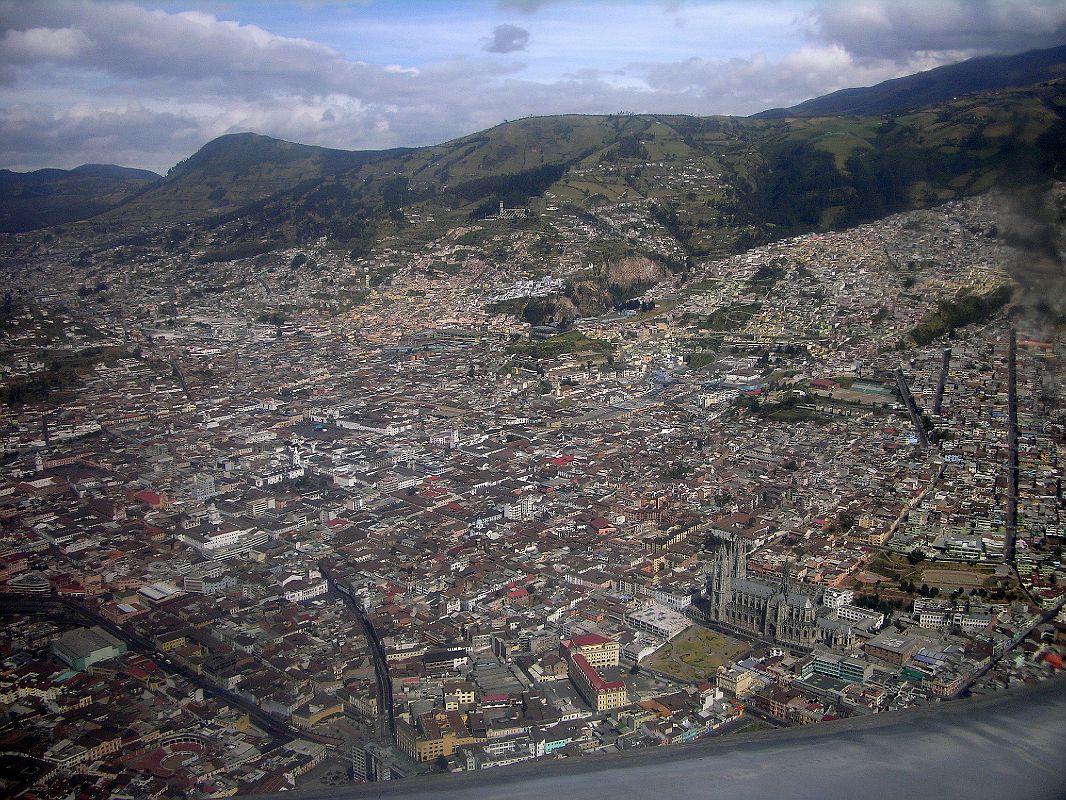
(122, 83)
(86, 133)
(44, 44)
(507, 39)
(527, 6)
(533, 6)
(900, 29)
(747, 85)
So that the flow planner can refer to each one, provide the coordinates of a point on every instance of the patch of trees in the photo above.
(667, 216)
(86, 291)
(8, 308)
(234, 251)
(636, 304)
(965, 309)
(538, 310)
(203, 291)
(395, 192)
(628, 147)
(700, 359)
(272, 318)
(512, 188)
(792, 189)
(767, 275)
(564, 343)
(874, 602)
(677, 470)
(64, 372)
(731, 318)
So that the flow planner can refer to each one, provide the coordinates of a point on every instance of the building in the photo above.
(892, 647)
(784, 610)
(602, 691)
(433, 735)
(203, 486)
(737, 681)
(319, 709)
(374, 762)
(458, 695)
(592, 665)
(84, 647)
(658, 620)
(218, 539)
(841, 668)
(599, 651)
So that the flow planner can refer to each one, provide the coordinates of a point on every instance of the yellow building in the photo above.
(312, 713)
(433, 735)
(458, 695)
(587, 656)
(600, 693)
(869, 533)
(599, 651)
(736, 682)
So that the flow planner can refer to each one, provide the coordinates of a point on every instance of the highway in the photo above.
(281, 731)
(386, 721)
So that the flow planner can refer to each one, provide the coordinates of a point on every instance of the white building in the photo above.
(658, 620)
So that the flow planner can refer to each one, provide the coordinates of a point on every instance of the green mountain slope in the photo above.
(230, 172)
(716, 185)
(54, 196)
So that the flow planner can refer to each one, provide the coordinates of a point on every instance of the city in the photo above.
(389, 541)
(532, 397)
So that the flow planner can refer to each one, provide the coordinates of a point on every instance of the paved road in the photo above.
(386, 727)
(281, 731)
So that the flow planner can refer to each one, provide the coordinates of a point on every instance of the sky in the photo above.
(146, 84)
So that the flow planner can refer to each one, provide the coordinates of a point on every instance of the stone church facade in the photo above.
(785, 610)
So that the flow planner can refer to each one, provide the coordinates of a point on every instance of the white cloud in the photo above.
(746, 86)
(43, 44)
(527, 6)
(83, 81)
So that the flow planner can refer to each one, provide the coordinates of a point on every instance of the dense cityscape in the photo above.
(308, 518)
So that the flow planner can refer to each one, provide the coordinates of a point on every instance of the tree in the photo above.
(915, 556)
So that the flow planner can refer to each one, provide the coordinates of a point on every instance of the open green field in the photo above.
(696, 654)
(562, 344)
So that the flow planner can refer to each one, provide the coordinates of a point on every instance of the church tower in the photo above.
(720, 585)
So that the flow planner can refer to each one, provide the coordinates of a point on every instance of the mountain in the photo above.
(708, 186)
(55, 196)
(233, 171)
(938, 85)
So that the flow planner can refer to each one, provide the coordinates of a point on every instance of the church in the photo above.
(785, 610)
